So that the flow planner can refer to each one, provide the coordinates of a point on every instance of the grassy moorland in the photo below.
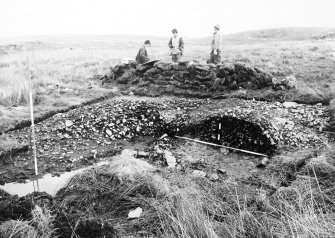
(298, 200)
(69, 61)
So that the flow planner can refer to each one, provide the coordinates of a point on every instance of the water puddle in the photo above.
(46, 184)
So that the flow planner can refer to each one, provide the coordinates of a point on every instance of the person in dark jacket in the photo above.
(176, 45)
(142, 55)
(215, 55)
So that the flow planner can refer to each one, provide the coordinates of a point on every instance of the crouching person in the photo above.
(142, 55)
(215, 55)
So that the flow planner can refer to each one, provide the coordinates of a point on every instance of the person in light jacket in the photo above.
(215, 55)
(142, 55)
(176, 45)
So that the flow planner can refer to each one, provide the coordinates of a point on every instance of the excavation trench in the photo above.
(96, 131)
(230, 131)
(68, 202)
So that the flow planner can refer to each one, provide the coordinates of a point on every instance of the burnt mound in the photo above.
(197, 77)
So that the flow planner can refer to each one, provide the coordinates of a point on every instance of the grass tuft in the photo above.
(40, 226)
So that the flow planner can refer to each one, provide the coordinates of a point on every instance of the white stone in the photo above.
(213, 177)
(199, 173)
(279, 121)
(170, 159)
(68, 123)
(290, 104)
(135, 213)
(224, 151)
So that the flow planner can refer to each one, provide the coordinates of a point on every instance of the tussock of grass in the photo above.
(183, 216)
(290, 212)
(102, 197)
(14, 87)
(40, 226)
(17, 229)
(7, 143)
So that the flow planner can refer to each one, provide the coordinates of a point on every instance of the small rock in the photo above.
(142, 154)
(222, 171)
(290, 104)
(263, 162)
(199, 173)
(163, 136)
(290, 82)
(68, 89)
(280, 121)
(109, 132)
(170, 159)
(68, 123)
(135, 213)
(179, 167)
(224, 151)
(213, 177)
(276, 80)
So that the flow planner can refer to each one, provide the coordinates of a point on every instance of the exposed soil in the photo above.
(85, 135)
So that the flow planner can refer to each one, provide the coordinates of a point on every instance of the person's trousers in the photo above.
(175, 57)
(214, 59)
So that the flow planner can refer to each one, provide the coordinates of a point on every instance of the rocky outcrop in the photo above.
(229, 76)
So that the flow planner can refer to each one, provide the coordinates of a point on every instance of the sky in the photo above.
(157, 18)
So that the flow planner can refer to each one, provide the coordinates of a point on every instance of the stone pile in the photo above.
(123, 119)
(228, 76)
(253, 125)
(257, 126)
(83, 135)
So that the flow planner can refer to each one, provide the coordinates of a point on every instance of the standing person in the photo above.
(215, 56)
(142, 55)
(176, 45)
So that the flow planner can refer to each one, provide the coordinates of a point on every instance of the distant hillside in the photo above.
(279, 34)
(30, 43)
(282, 34)
(129, 41)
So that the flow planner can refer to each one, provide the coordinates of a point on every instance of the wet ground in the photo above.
(48, 183)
